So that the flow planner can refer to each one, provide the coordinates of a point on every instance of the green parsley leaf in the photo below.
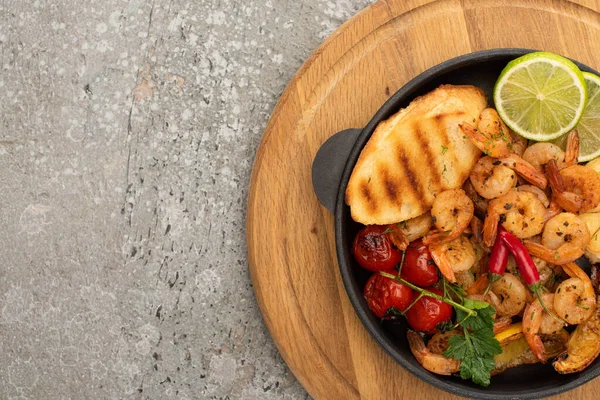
(477, 369)
(477, 347)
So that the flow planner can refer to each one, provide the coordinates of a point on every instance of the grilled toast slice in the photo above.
(415, 154)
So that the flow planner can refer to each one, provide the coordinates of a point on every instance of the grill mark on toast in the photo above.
(413, 179)
(366, 192)
(439, 127)
(423, 142)
(390, 185)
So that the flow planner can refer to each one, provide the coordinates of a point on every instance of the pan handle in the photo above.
(328, 166)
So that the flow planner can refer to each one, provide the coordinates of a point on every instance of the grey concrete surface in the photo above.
(128, 129)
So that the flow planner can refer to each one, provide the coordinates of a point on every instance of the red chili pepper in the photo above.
(526, 266)
(498, 260)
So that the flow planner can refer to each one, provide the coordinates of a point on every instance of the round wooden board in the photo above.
(291, 246)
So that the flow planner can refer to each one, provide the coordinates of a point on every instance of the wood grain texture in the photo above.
(291, 245)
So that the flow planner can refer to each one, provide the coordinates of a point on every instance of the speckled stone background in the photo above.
(128, 129)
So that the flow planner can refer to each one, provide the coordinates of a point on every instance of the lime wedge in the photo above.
(541, 96)
(589, 124)
(595, 165)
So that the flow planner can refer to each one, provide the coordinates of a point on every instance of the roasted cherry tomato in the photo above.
(428, 312)
(373, 249)
(383, 293)
(418, 266)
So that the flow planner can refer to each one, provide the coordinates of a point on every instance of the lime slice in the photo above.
(595, 165)
(540, 95)
(589, 124)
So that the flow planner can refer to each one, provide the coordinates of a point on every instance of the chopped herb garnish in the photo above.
(581, 306)
(444, 149)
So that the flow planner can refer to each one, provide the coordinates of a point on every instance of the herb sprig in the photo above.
(477, 346)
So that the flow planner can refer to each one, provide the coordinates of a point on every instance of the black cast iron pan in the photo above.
(331, 171)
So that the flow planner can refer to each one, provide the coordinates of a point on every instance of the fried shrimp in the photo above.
(564, 239)
(491, 179)
(575, 188)
(491, 134)
(533, 318)
(457, 255)
(440, 341)
(575, 299)
(435, 363)
(402, 233)
(508, 296)
(451, 213)
(493, 137)
(549, 324)
(526, 170)
(539, 154)
(538, 192)
(522, 214)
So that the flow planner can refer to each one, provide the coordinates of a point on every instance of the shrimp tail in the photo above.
(540, 251)
(398, 238)
(526, 170)
(574, 271)
(531, 324)
(571, 202)
(490, 227)
(416, 344)
(439, 238)
(502, 324)
(554, 178)
(432, 362)
(567, 200)
(442, 263)
(537, 347)
(476, 137)
(477, 229)
(572, 152)
(555, 257)
(479, 286)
